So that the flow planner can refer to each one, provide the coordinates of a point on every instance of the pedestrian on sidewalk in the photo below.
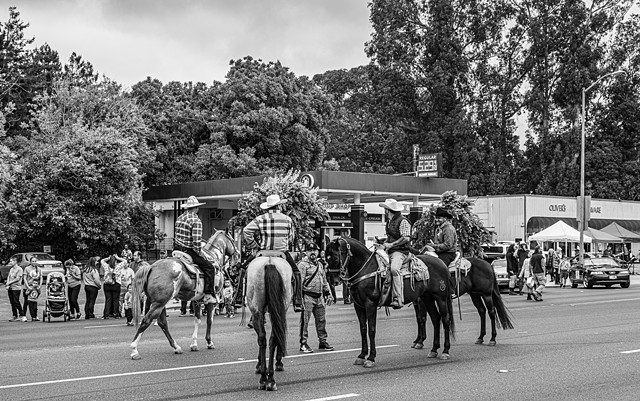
(113, 266)
(92, 284)
(32, 281)
(128, 312)
(74, 284)
(14, 287)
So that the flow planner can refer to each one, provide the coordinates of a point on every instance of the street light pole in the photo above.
(582, 222)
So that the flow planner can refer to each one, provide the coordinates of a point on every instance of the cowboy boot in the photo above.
(297, 292)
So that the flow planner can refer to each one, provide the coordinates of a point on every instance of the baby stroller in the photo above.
(55, 303)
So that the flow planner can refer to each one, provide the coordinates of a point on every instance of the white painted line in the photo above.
(335, 397)
(606, 302)
(105, 325)
(630, 352)
(144, 372)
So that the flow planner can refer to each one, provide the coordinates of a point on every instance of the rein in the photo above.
(354, 279)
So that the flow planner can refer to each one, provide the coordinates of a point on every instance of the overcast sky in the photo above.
(193, 40)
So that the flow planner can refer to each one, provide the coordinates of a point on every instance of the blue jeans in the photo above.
(396, 260)
(315, 307)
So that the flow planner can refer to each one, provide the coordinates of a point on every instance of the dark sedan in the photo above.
(599, 271)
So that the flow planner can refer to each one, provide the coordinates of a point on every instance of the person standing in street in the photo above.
(522, 255)
(126, 278)
(537, 263)
(314, 290)
(14, 287)
(74, 284)
(512, 268)
(32, 281)
(92, 284)
(112, 266)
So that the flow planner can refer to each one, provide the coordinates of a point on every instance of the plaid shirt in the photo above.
(188, 232)
(274, 228)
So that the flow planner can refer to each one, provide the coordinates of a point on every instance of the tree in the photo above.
(10, 169)
(470, 230)
(304, 204)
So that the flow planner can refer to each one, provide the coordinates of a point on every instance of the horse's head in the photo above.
(338, 255)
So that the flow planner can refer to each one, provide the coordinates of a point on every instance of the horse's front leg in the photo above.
(421, 319)
(196, 325)
(162, 323)
(207, 337)
(477, 302)
(372, 314)
(362, 320)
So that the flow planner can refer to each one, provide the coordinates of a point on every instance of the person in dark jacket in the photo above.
(512, 268)
(538, 270)
(398, 230)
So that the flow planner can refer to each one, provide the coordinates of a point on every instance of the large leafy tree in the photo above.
(469, 228)
(303, 204)
(9, 171)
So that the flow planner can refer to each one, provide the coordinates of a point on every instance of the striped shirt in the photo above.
(188, 232)
(275, 231)
(405, 228)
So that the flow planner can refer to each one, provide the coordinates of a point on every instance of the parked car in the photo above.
(47, 263)
(495, 251)
(500, 268)
(601, 270)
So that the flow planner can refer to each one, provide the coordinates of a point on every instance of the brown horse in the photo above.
(482, 286)
(169, 278)
(269, 290)
(359, 269)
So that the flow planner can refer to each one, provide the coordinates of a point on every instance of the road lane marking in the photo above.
(605, 301)
(335, 397)
(144, 372)
(630, 352)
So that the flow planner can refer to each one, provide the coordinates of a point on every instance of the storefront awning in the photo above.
(538, 223)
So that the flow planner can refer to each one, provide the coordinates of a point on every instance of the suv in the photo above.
(46, 262)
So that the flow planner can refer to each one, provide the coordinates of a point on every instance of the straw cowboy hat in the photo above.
(192, 201)
(272, 200)
(392, 204)
(442, 212)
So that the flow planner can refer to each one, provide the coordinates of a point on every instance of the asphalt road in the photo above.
(577, 344)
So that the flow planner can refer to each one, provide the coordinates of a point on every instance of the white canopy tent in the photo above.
(559, 232)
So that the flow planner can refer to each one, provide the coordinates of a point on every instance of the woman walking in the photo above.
(74, 283)
(113, 266)
(91, 281)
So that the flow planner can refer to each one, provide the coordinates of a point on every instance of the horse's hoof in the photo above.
(210, 345)
(444, 356)
(479, 341)
(413, 345)
(258, 372)
(432, 354)
(178, 350)
(419, 346)
(272, 387)
(492, 343)
(279, 368)
(369, 364)
(262, 387)
(194, 348)
(359, 361)
(135, 356)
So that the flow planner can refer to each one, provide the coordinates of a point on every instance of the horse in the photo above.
(482, 286)
(269, 290)
(359, 269)
(169, 278)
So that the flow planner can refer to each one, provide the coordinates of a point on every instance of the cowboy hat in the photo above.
(392, 204)
(442, 212)
(192, 201)
(272, 200)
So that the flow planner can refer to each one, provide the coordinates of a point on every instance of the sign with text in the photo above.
(429, 165)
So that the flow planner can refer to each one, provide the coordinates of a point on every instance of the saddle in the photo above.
(413, 269)
(196, 274)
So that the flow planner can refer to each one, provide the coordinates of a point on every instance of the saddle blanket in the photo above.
(411, 266)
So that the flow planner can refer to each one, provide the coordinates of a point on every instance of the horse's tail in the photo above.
(452, 320)
(504, 316)
(274, 299)
(137, 290)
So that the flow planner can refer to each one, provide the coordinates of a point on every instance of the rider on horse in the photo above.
(446, 241)
(276, 233)
(398, 230)
(188, 239)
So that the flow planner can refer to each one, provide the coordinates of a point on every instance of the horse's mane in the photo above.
(357, 246)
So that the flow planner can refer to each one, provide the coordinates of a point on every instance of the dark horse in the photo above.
(359, 269)
(269, 290)
(481, 284)
(169, 278)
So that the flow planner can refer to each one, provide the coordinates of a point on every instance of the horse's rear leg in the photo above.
(488, 301)
(271, 382)
(162, 323)
(477, 302)
(421, 319)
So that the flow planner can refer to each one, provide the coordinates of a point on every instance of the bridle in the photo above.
(343, 265)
